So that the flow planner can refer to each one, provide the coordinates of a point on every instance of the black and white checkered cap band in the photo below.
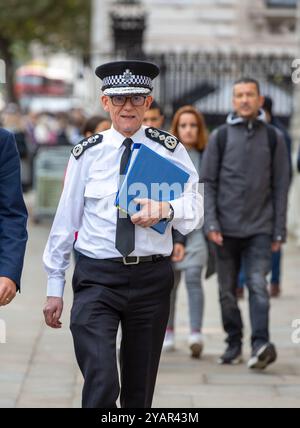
(127, 80)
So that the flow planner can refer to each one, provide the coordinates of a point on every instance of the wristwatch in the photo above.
(170, 215)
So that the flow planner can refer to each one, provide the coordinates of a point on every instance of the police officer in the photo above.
(124, 274)
(13, 219)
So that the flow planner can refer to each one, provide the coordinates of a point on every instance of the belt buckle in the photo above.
(125, 262)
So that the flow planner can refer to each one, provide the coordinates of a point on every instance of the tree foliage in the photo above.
(60, 24)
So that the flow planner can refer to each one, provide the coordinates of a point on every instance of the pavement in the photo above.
(38, 367)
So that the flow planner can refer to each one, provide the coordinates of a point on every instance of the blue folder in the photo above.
(150, 176)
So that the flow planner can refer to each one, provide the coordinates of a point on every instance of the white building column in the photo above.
(100, 47)
(100, 29)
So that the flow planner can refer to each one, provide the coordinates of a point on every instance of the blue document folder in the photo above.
(151, 176)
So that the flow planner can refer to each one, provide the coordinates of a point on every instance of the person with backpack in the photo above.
(246, 174)
(275, 277)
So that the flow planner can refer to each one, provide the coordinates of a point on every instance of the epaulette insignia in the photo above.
(85, 144)
(167, 140)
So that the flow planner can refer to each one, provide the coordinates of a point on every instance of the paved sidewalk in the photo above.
(38, 368)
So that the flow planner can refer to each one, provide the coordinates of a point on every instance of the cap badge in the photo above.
(127, 76)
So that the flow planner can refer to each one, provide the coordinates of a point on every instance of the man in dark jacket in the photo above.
(246, 184)
(13, 219)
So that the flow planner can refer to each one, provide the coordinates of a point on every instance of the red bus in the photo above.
(36, 81)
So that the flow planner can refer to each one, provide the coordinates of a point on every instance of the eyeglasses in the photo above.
(120, 100)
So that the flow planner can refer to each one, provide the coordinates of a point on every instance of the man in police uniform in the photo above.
(13, 219)
(124, 274)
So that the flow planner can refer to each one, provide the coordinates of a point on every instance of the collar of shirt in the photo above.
(117, 138)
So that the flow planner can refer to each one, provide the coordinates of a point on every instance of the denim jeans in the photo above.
(255, 255)
(275, 273)
(195, 297)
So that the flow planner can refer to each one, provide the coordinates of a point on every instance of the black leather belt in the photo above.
(136, 260)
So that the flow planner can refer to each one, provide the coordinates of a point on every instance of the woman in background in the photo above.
(189, 127)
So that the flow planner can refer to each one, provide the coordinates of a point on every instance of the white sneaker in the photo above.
(169, 342)
(196, 344)
(262, 357)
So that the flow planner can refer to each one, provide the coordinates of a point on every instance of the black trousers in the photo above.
(106, 294)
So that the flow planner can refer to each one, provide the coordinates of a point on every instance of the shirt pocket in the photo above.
(100, 189)
(100, 194)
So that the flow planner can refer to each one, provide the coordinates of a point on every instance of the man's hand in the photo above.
(276, 246)
(178, 253)
(52, 311)
(8, 290)
(151, 212)
(216, 237)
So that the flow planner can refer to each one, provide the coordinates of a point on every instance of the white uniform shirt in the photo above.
(87, 206)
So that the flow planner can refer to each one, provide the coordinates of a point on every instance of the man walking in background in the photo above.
(154, 116)
(246, 175)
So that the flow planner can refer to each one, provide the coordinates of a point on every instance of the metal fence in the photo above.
(49, 171)
(206, 80)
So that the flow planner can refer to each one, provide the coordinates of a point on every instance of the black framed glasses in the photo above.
(120, 100)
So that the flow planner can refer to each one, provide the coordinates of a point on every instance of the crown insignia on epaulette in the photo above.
(85, 144)
(167, 140)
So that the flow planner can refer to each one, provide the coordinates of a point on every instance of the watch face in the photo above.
(171, 214)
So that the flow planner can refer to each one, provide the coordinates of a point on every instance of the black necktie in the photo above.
(125, 228)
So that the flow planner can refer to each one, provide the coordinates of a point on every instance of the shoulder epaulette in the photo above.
(85, 144)
(162, 137)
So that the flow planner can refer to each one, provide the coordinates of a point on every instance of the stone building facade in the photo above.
(264, 26)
